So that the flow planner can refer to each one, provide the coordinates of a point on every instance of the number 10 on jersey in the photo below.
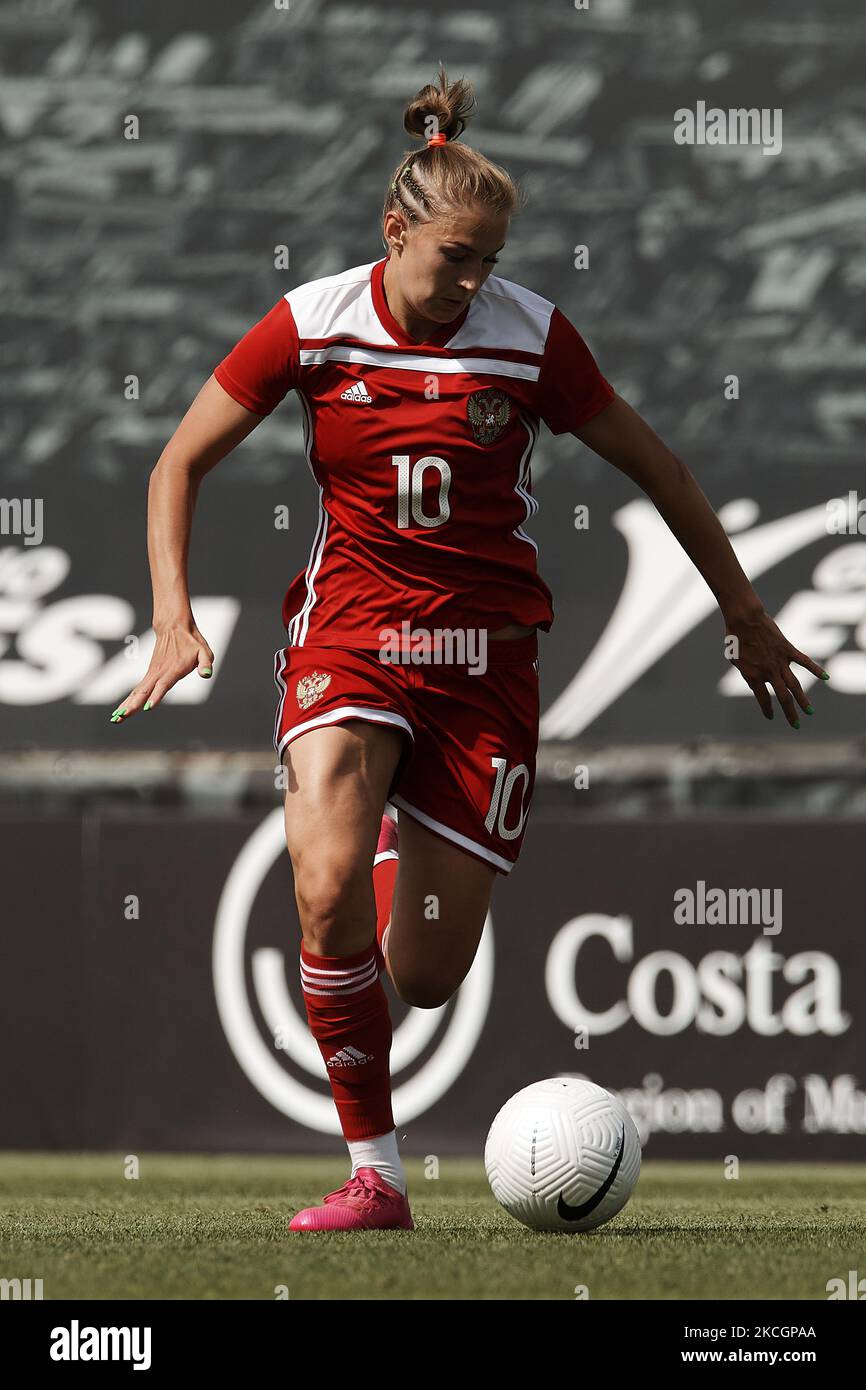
(410, 482)
(502, 789)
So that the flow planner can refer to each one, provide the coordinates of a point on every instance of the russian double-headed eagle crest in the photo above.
(311, 688)
(489, 412)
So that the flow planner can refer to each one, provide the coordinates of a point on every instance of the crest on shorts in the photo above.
(489, 412)
(311, 688)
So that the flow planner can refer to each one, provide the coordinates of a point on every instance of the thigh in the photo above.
(337, 780)
(441, 899)
(342, 728)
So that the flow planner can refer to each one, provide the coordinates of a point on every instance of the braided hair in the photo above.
(438, 177)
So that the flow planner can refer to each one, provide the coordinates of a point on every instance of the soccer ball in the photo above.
(563, 1155)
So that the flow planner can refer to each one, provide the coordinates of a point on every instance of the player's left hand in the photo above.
(764, 657)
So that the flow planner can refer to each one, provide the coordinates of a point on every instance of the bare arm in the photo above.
(213, 426)
(622, 437)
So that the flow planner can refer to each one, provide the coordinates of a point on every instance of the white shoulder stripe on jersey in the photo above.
(502, 314)
(338, 305)
(466, 364)
(505, 314)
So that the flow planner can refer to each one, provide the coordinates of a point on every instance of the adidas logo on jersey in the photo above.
(349, 1057)
(357, 392)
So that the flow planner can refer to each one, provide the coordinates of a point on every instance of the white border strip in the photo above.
(279, 668)
(386, 854)
(299, 623)
(370, 716)
(464, 365)
(530, 502)
(453, 835)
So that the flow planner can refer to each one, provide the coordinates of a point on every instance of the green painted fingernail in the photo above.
(147, 706)
(809, 709)
(825, 675)
(796, 723)
(207, 670)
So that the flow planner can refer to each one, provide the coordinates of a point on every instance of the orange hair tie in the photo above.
(440, 138)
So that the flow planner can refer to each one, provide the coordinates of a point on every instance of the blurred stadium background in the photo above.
(149, 993)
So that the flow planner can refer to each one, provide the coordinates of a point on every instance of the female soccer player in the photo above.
(411, 671)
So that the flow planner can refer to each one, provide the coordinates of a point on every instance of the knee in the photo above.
(336, 907)
(423, 993)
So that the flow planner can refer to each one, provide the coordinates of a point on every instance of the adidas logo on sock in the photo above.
(349, 1057)
(357, 392)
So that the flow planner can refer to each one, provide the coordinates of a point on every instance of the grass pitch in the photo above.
(206, 1227)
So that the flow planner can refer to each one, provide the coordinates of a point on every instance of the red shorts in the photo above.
(467, 770)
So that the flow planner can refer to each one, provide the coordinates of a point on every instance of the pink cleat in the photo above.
(365, 1203)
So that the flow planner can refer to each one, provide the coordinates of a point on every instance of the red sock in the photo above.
(347, 1009)
(385, 866)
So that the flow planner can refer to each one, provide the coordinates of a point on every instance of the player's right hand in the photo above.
(178, 651)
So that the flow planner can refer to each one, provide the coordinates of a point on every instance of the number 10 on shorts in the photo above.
(501, 798)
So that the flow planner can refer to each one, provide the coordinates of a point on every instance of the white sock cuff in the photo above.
(379, 1152)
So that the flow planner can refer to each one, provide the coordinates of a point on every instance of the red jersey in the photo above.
(420, 451)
